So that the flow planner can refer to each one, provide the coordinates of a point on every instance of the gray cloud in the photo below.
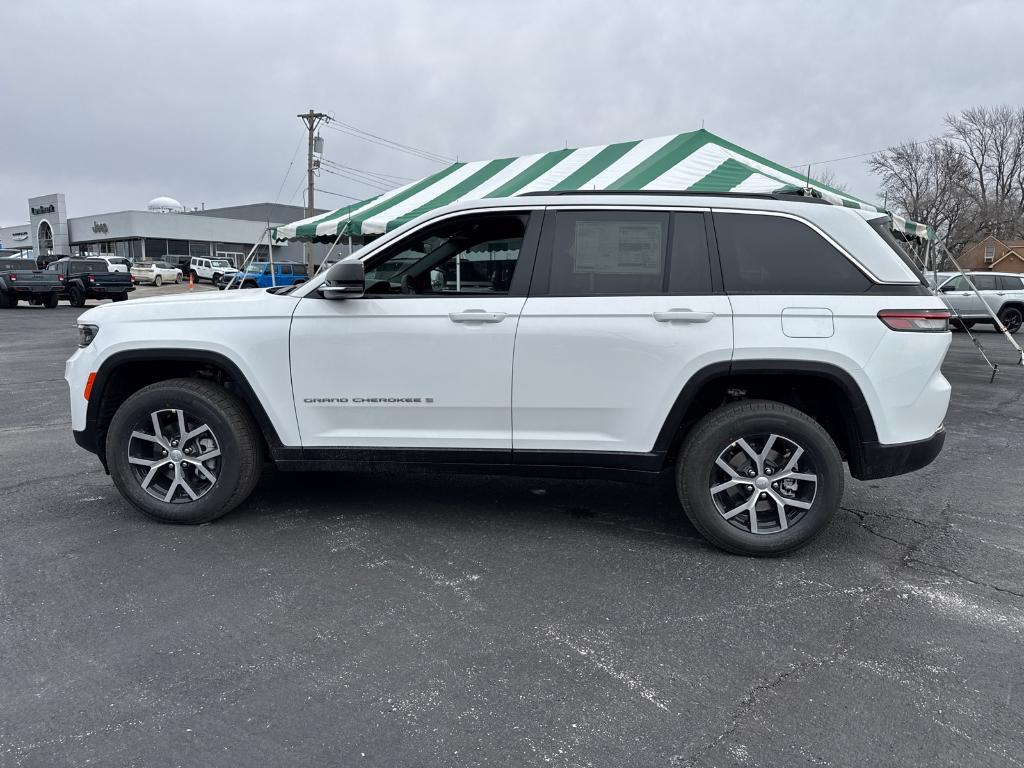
(114, 103)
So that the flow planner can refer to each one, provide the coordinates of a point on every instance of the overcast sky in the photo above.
(115, 103)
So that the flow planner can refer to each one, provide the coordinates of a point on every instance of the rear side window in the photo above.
(609, 253)
(1011, 283)
(774, 254)
(286, 269)
(985, 282)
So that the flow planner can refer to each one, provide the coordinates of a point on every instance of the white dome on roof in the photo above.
(164, 204)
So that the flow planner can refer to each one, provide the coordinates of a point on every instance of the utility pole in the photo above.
(312, 120)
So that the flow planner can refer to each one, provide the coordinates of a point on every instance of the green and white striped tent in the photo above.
(698, 161)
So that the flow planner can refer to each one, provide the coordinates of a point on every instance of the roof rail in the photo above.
(794, 196)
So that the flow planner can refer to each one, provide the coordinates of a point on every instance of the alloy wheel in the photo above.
(175, 458)
(763, 484)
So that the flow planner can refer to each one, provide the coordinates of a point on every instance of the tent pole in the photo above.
(270, 256)
(995, 319)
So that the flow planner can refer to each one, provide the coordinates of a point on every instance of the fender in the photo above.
(860, 419)
(92, 440)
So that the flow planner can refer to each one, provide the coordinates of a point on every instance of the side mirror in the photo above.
(947, 288)
(345, 280)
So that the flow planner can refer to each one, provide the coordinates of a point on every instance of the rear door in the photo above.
(623, 309)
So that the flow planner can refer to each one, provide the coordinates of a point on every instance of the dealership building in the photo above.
(165, 231)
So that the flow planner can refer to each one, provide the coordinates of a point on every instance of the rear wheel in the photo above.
(758, 477)
(119, 297)
(158, 281)
(177, 278)
(5, 301)
(1011, 318)
(192, 276)
(50, 302)
(76, 297)
(184, 451)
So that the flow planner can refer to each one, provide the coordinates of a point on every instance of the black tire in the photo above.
(50, 302)
(1011, 318)
(158, 281)
(216, 278)
(119, 297)
(6, 302)
(177, 279)
(193, 276)
(76, 297)
(720, 432)
(249, 284)
(963, 325)
(231, 427)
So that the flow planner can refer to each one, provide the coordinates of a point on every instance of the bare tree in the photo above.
(828, 177)
(925, 181)
(991, 141)
(968, 183)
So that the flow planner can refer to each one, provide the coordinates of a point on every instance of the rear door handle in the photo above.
(476, 316)
(683, 316)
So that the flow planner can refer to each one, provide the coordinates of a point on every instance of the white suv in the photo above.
(749, 345)
(209, 269)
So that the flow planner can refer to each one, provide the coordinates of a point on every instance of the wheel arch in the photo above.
(823, 391)
(124, 373)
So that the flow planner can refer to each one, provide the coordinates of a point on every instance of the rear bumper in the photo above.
(877, 460)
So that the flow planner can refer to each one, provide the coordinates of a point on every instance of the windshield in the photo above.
(220, 263)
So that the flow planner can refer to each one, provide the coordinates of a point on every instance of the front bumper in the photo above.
(878, 460)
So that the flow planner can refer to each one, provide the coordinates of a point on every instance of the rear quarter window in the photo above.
(775, 254)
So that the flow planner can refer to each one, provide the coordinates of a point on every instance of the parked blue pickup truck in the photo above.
(258, 275)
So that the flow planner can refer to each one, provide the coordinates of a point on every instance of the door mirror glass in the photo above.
(949, 287)
(345, 280)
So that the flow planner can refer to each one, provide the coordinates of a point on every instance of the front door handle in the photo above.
(683, 316)
(476, 316)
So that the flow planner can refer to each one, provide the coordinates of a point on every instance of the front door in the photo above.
(424, 358)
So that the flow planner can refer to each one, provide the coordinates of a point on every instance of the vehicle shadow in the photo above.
(444, 500)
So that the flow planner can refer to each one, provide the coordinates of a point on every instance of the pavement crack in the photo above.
(946, 571)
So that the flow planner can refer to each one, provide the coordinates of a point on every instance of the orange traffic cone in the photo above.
(191, 283)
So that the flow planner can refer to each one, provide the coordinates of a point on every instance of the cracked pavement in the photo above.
(438, 620)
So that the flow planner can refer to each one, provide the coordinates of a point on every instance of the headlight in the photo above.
(86, 333)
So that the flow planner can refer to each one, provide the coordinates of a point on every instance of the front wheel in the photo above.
(184, 451)
(1011, 318)
(757, 477)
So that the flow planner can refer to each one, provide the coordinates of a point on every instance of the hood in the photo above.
(207, 305)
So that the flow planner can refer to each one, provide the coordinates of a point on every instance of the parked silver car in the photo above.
(1003, 291)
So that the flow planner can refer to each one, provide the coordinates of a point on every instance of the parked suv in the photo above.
(747, 345)
(261, 274)
(209, 269)
(1002, 291)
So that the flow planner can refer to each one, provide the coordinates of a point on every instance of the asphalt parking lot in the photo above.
(371, 620)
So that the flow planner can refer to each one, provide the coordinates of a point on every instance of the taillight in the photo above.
(61, 278)
(92, 279)
(925, 320)
(14, 277)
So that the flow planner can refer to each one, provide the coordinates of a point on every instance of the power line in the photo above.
(369, 173)
(350, 177)
(851, 157)
(339, 194)
(397, 146)
(289, 171)
(350, 127)
(359, 176)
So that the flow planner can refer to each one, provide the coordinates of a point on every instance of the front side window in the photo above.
(609, 253)
(778, 255)
(474, 255)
